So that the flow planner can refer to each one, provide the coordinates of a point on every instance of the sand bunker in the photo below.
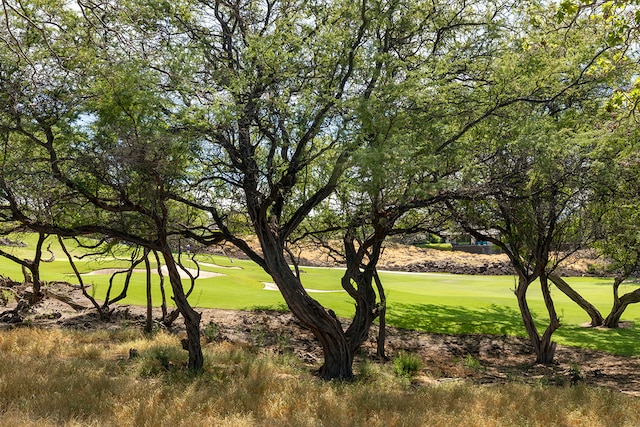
(269, 286)
(232, 267)
(203, 274)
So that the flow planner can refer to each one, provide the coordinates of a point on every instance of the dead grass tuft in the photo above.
(64, 378)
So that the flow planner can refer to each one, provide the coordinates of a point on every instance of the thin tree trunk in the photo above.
(83, 288)
(594, 313)
(147, 265)
(127, 280)
(163, 304)
(191, 317)
(547, 347)
(382, 316)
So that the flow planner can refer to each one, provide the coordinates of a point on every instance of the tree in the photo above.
(79, 103)
(529, 177)
(615, 203)
(280, 100)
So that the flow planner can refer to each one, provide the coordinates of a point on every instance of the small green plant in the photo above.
(210, 332)
(575, 375)
(158, 359)
(258, 337)
(5, 296)
(472, 363)
(406, 364)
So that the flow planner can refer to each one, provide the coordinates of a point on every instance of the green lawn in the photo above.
(440, 303)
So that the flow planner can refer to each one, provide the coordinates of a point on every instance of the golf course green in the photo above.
(432, 302)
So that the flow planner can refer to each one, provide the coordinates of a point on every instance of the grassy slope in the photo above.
(441, 303)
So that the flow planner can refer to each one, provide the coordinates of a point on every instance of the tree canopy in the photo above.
(154, 121)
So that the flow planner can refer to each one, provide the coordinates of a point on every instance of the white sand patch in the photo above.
(232, 267)
(165, 271)
(270, 286)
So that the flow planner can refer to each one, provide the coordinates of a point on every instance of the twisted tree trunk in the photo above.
(323, 323)
(620, 304)
(594, 313)
(191, 317)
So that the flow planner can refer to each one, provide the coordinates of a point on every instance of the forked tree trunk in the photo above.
(620, 304)
(361, 271)
(323, 323)
(83, 288)
(542, 345)
(594, 313)
(191, 317)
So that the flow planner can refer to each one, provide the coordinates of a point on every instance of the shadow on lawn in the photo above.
(500, 320)
(620, 341)
(494, 319)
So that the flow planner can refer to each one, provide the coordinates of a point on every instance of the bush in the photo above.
(406, 364)
(160, 358)
(210, 332)
(437, 246)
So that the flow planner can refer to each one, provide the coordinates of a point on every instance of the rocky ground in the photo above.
(399, 257)
(476, 358)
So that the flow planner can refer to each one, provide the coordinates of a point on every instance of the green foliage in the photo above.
(407, 364)
(160, 359)
(472, 363)
(210, 332)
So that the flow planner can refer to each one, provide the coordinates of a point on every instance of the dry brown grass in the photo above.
(65, 378)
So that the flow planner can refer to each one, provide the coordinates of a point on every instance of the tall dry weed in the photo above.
(66, 378)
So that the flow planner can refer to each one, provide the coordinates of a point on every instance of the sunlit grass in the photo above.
(46, 381)
(440, 303)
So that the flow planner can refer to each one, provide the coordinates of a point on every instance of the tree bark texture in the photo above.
(594, 313)
(366, 308)
(543, 347)
(323, 323)
(620, 304)
(149, 322)
(191, 317)
(547, 347)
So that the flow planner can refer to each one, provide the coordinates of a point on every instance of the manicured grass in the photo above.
(439, 303)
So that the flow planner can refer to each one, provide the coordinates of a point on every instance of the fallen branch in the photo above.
(67, 300)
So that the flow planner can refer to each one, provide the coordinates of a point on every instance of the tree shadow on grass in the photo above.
(493, 319)
(501, 320)
(619, 341)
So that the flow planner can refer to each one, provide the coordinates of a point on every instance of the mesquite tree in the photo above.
(278, 93)
(80, 112)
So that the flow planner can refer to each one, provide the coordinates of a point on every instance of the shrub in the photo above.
(210, 332)
(437, 246)
(406, 364)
